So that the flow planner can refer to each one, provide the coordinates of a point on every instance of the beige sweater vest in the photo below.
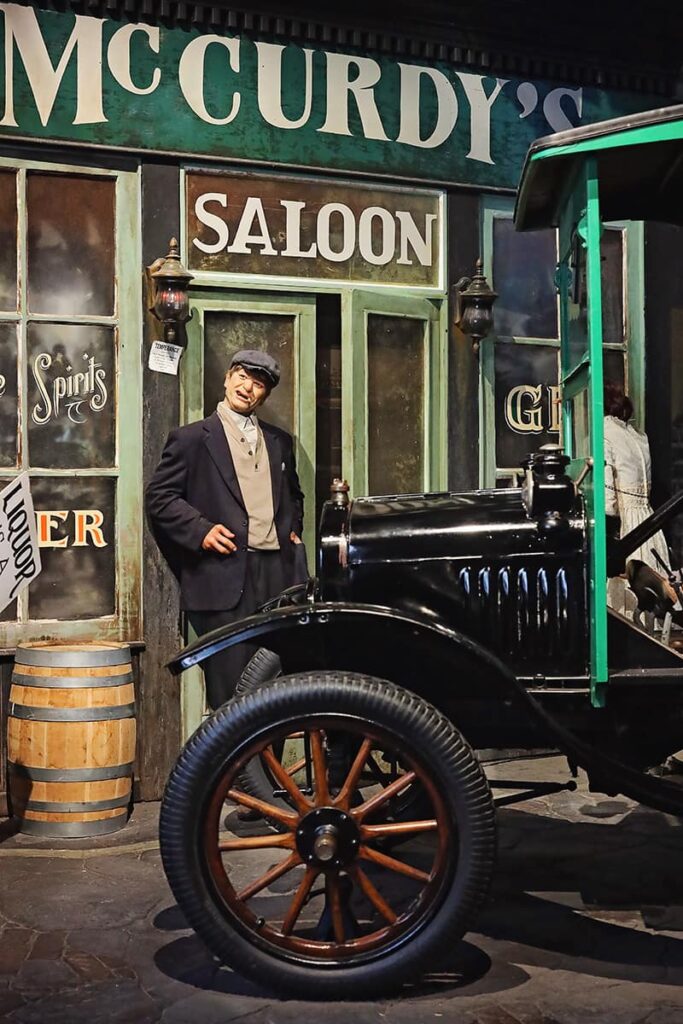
(252, 467)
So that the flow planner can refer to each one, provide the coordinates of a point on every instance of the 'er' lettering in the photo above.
(88, 522)
(46, 522)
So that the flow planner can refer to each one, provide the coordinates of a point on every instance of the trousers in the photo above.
(264, 580)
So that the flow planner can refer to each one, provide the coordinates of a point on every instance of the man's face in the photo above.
(244, 391)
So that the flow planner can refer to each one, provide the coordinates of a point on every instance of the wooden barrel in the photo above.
(71, 738)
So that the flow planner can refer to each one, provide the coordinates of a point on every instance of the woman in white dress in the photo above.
(627, 490)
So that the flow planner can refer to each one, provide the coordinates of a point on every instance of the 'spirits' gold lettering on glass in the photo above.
(68, 391)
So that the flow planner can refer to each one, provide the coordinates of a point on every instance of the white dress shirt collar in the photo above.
(247, 424)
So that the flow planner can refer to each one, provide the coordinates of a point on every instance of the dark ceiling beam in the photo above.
(629, 47)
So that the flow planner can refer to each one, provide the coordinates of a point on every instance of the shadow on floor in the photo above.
(551, 874)
(8, 828)
(469, 969)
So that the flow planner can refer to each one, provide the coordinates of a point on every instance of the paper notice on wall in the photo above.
(19, 552)
(164, 357)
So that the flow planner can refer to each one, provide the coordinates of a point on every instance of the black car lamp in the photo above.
(548, 493)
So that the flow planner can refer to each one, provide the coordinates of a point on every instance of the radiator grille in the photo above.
(529, 613)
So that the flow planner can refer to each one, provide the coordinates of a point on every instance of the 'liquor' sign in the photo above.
(19, 554)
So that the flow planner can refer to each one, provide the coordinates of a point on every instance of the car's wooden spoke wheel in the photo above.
(329, 895)
(294, 753)
(330, 850)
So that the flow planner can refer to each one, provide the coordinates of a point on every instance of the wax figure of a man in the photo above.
(226, 509)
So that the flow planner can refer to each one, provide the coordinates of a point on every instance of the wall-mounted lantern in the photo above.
(170, 300)
(474, 305)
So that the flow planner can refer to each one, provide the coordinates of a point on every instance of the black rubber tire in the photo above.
(421, 729)
(263, 667)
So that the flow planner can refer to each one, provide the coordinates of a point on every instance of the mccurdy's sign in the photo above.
(135, 86)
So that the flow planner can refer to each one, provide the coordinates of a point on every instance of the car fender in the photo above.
(394, 645)
(368, 638)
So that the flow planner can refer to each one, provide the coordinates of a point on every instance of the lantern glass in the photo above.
(474, 305)
(171, 305)
(172, 302)
(477, 318)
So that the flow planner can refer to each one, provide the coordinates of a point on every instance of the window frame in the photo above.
(126, 621)
(493, 207)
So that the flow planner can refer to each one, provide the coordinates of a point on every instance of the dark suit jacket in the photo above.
(194, 487)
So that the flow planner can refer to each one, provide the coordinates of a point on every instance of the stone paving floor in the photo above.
(584, 926)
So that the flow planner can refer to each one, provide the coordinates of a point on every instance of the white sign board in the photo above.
(19, 553)
(164, 357)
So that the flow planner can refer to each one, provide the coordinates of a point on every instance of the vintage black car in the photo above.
(438, 624)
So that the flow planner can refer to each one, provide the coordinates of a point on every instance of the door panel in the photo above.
(397, 392)
(227, 331)
(393, 394)
(581, 378)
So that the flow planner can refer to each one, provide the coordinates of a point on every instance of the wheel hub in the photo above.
(327, 837)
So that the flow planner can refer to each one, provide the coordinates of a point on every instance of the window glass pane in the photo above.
(612, 278)
(577, 307)
(8, 241)
(524, 277)
(328, 395)
(70, 244)
(673, 342)
(76, 531)
(613, 369)
(226, 332)
(581, 447)
(396, 398)
(528, 411)
(71, 396)
(509, 480)
(10, 613)
(9, 408)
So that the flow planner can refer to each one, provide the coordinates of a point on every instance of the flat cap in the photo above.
(260, 362)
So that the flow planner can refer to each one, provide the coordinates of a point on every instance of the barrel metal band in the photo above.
(70, 682)
(74, 806)
(38, 714)
(72, 659)
(73, 829)
(113, 771)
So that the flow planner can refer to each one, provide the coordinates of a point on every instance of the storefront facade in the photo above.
(328, 189)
